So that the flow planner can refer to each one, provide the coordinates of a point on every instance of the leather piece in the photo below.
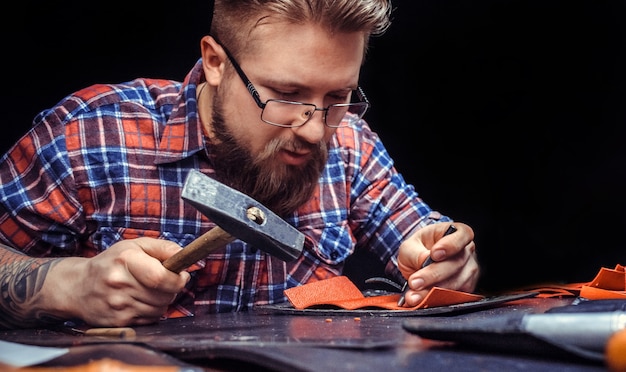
(607, 284)
(465, 307)
(341, 292)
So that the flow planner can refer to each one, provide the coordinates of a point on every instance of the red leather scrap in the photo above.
(340, 292)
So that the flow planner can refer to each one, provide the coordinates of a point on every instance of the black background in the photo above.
(507, 115)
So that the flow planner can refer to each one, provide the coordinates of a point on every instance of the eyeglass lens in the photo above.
(293, 114)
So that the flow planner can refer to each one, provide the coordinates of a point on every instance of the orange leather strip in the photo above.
(593, 293)
(608, 284)
(612, 280)
(341, 292)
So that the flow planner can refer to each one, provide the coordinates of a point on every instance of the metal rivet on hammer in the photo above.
(255, 215)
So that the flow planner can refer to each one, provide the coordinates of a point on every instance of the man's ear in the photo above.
(213, 60)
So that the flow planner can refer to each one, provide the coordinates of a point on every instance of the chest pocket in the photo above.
(107, 236)
(333, 243)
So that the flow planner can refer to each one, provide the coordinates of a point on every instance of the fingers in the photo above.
(146, 267)
(121, 306)
(129, 283)
(129, 316)
(436, 242)
(424, 280)
(158, 248)
(454, 263)
(451, 242)
(157, 286)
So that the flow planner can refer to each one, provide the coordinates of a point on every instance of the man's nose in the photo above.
(314, 130)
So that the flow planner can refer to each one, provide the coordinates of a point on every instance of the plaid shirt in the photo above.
(109, 162)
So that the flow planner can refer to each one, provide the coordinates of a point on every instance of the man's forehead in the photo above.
(280, 35)
(272, 29)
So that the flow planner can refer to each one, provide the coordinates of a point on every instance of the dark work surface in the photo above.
(507, 115)
(313, 343)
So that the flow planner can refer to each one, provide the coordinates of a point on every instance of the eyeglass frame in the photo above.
(257, 98)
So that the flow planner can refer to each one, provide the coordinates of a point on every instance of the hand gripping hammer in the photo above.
(236, 215)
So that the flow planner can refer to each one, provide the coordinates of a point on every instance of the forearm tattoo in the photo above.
(21, 280)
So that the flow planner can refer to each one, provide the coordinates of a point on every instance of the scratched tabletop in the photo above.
(266, 340)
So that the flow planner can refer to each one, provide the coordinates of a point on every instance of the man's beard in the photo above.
(278, 186)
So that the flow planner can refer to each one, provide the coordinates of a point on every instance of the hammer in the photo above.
(236, 215)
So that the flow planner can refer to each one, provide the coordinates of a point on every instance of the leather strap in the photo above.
(340, 292)
(608, 284)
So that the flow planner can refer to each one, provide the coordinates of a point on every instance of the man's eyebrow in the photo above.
(274, 82)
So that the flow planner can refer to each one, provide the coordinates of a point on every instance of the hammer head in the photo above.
(243, 217)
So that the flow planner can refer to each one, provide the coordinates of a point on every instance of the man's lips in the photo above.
(295, 158)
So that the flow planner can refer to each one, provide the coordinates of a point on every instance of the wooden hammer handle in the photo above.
(198, 249)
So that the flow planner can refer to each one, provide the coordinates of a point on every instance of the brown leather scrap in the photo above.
(340, 292)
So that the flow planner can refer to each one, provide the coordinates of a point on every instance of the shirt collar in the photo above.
(183, 135)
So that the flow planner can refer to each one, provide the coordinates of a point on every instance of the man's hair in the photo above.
(233, 20)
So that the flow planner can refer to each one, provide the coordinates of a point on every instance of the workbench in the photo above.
(269, 340)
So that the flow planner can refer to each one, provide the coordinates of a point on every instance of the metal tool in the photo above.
(236, 216)
(585, 330)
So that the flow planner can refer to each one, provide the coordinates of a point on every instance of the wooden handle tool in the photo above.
(198, 249)
(237, 216)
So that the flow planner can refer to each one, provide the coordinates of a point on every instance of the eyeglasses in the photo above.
(287, 114)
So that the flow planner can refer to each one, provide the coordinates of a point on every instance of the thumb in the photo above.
(160, 249)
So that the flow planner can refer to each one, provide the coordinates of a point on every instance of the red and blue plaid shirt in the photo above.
(108, 163)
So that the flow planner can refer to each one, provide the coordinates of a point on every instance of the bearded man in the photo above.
(90, 197)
